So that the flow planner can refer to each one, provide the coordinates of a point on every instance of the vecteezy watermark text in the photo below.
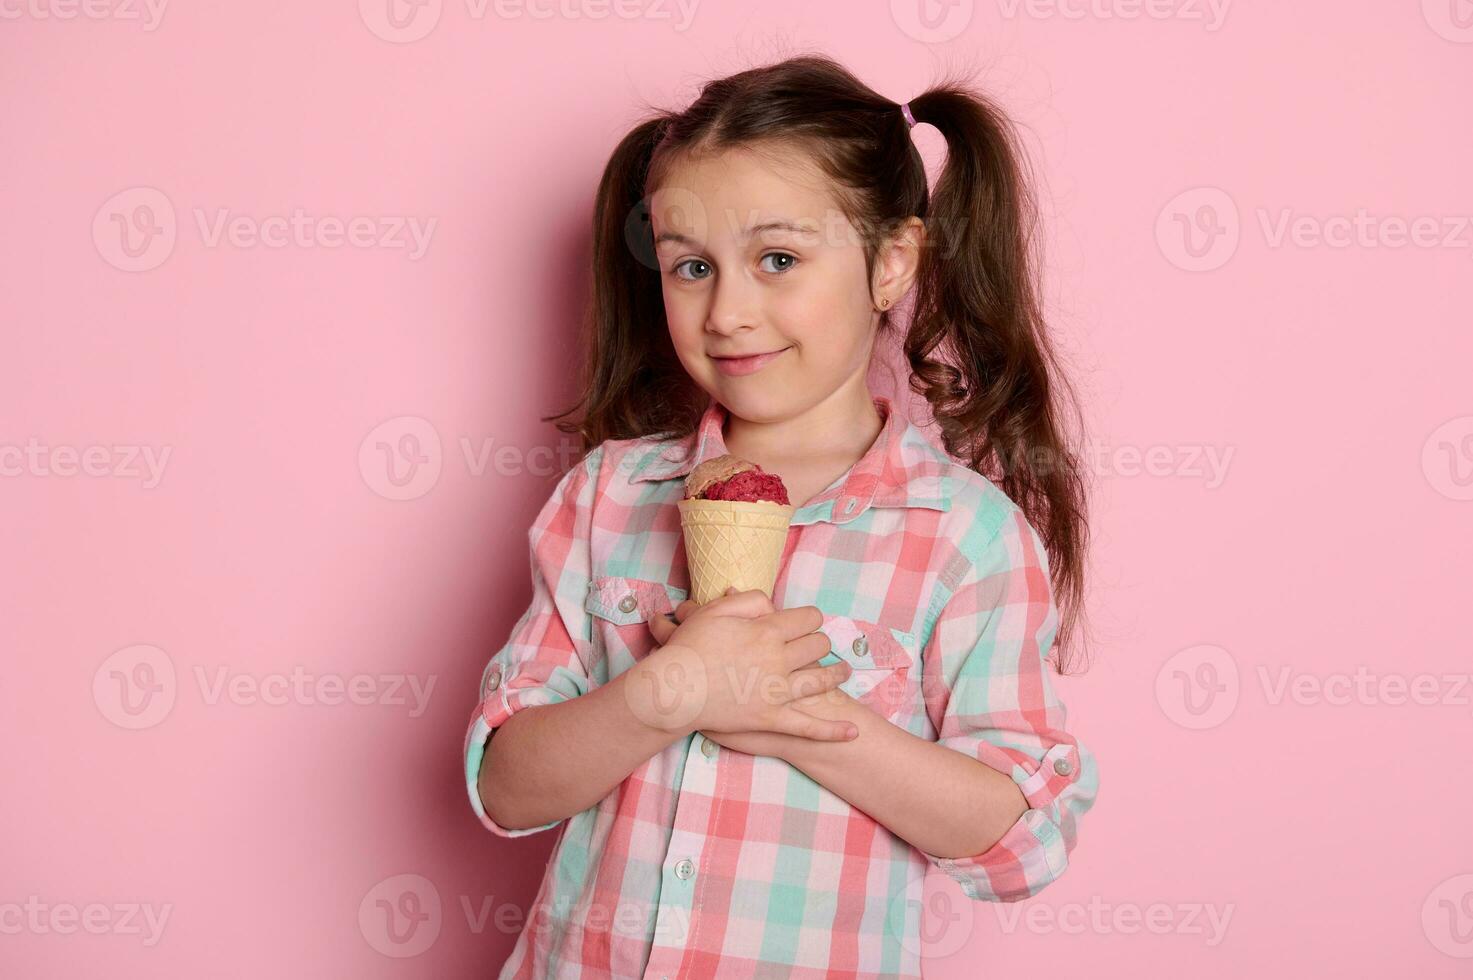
(402, 458)
(136, 229)
(127, 462)
(149, 12)
(37, 917)
(406, 21)
(1212, 13)
(1102, 918)
(403, 915)
(1200, 687)
(137, 687)
(1199, 230)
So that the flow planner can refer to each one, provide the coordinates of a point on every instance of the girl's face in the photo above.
(756, 258)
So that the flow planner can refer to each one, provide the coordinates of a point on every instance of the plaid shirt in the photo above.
(710, 862)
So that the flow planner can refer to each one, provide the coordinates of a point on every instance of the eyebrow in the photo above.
(673, 236)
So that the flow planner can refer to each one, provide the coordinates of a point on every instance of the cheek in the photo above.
(683, 318)
(829, 329)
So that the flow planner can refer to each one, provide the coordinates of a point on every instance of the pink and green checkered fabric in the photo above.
(707, 862)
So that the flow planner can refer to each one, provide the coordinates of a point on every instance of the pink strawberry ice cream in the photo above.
(731, 478)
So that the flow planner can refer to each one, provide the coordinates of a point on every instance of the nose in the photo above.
(733, 306)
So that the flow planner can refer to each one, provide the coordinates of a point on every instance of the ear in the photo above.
(897, 263)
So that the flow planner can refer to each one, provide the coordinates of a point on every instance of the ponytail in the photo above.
(978, 346)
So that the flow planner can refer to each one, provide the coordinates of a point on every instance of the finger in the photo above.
(798, 621)
(751, 603)
(685, 608)
(661, 628)
(806, 649)
(794, 722)
(832, 696)
(815, 680)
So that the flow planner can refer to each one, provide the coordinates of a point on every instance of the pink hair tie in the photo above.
(909, 119)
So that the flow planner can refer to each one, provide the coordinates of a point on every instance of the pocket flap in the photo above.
(624, 601)
(881, 658)
(866, 645)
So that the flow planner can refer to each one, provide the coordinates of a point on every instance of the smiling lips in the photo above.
(745, 365)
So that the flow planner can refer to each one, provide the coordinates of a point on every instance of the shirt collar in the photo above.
(900, 469)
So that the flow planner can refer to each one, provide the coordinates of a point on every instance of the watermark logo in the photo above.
(401, 916)
(135, 229)
(40, 918)
(149, 13)
(667, 693)
(1447, 458)
(301, 687)
(1198, 687)
(1099, 917)
(1212, 13)
(943, 924)
(1447, 917)
(932, 21)
(1207, 463)
(135, 687)
(407, 233)
(1198, 230)
(1363, 687)
(1363, 230)
(127, 462)
(400, 21)
(406, 21)
(1451, 19)
(401, 458)
(404, 915)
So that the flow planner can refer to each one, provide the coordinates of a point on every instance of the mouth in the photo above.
(746, 365)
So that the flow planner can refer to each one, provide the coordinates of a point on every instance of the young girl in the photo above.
(755, 787)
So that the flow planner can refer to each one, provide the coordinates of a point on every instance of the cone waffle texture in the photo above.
(733, 543)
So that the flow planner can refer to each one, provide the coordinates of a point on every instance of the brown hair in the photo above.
(976, 342)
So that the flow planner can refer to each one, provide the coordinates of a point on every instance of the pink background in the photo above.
(1331, 836)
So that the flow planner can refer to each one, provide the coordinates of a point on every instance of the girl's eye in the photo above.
(694, 262)
(701, 269)
(791, 261)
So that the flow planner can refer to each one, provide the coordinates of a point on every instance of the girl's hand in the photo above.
(737, 664)
(830, 704)
(773, 744)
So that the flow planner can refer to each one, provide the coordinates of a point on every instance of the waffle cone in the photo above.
(733, 543)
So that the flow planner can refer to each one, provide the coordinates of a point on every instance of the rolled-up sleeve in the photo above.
(988, 694)
(545, 660)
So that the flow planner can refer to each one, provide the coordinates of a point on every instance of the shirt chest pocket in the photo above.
(619, 610)
(883, 659)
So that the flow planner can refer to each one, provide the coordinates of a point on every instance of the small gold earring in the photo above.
(885, 303)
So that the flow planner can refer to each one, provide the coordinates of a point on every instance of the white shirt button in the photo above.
(629, 603)
(684, 868)
(1062, 767)
(708, 747)
(493, 679)
(861, 646)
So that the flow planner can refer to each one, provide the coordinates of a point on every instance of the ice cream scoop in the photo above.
(732, 478)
